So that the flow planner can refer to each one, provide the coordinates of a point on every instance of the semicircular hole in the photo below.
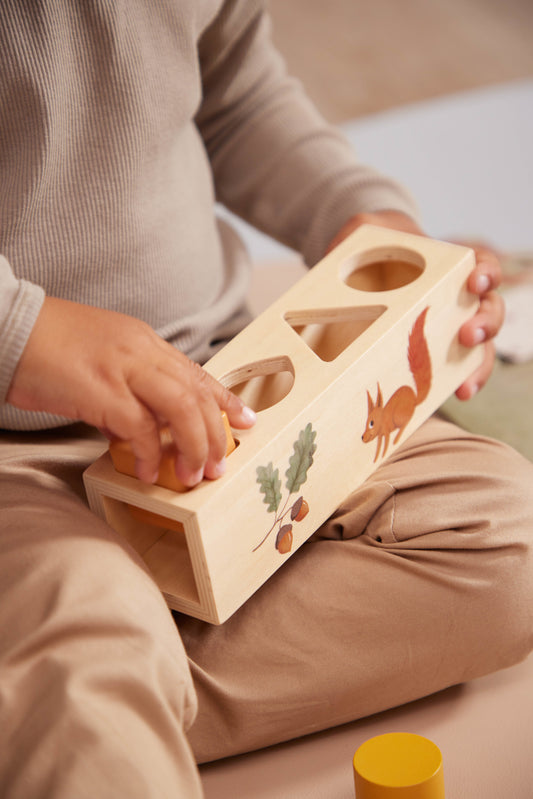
(382, 269)
(262, 384)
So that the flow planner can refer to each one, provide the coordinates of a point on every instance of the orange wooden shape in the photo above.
(124, 459)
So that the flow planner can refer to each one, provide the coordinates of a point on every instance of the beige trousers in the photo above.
(422, 579)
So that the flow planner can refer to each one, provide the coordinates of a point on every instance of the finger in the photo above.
(487, 274)
(477, 379)
(216, 398)
(106, 433)
(205, 388)
(174, 400)
(130, 421)
(175, 396)
(239, 415)
(486, 322)
(188, 399)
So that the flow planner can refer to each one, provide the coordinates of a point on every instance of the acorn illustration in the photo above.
(299, 510)
(284, 539)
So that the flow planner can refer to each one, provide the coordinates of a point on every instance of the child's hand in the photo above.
(485, 324)
(483, 281)
(112, 371)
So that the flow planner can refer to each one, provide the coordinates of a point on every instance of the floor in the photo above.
(385, 53)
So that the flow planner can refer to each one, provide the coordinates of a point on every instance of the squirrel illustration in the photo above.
(397, 412)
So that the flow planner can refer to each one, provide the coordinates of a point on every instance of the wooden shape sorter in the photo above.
(340, 370)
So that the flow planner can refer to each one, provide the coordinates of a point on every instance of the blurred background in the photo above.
(359, 57)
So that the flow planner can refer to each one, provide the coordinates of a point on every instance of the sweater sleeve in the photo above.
(20, 303)
(276, 162)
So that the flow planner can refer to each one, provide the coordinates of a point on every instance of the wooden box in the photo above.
(340, 369)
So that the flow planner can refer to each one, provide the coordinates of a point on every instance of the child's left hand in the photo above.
(486, 323)
(483, 281)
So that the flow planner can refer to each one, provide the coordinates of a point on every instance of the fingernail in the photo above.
(195, 477)
(479, 335)
(474, 390)
(220, 468)
(154, 477)
(482, 284)
(184, 474)
(248, 415)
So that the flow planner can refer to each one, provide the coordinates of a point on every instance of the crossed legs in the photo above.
(422, 579)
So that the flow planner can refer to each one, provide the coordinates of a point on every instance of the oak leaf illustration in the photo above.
(301, 459)
(270, 486)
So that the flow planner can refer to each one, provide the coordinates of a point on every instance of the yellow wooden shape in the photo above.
(398, 765)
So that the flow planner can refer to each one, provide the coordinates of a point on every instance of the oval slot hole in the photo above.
(329, 332)
(382, 269)
(262, 384)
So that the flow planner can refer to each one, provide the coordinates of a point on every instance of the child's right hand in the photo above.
(114, 372)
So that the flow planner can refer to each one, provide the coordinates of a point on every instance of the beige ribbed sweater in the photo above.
(122, 123)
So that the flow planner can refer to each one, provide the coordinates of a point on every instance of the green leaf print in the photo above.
(270, 485)
(301, 460)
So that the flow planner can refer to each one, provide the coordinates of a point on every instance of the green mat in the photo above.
(503, 409)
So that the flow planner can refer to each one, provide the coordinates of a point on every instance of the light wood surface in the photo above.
(333, 368)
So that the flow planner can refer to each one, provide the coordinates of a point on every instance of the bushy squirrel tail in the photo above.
(419, 360)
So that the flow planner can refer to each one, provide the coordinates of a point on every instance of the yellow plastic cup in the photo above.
(398, 765)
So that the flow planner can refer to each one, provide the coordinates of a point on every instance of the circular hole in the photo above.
(382, 269)
(262, 384)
